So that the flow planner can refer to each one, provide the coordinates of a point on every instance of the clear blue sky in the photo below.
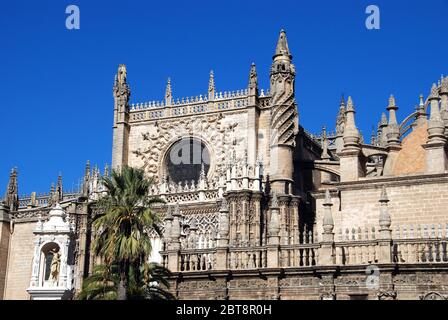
(56, 105)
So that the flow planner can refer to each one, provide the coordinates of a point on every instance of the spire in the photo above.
(253, 80)
(392, 108)
(85, 184)
(282, 49)
(444, 86)
(420, 118)
(211, 86)
(12, 191)
(393, 130)
(351, 133)
(59, 190)
(384, 122)
(168, 93)
(121, 76)
(121, 90)
(106, 171)
(340, 120)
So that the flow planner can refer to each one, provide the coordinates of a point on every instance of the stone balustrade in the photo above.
(192, 105)
(357, 247)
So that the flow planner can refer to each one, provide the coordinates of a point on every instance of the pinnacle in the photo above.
(282, 48)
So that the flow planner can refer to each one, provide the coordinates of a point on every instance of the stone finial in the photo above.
(434, 93)
(391, 101)
(253, 79)
(421, 112)
(282, 49)
(168, 93)
(384, 219)
(12, 191)
(422, 101)
(59, 189)
(121, 76)
(211, 86)
(351, 133)
(350, 104)
(384, 120)
(444, 86)
(340, 120)
(106, 171)
(436, 127)
(33, 200)
(86, 180)
(393, 130)
(324, 142)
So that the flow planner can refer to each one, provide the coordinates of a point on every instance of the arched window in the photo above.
(185, 159)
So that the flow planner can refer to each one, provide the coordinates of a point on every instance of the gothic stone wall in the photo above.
(404, 283)
(417, 200)
(20, 262)
(149, 141)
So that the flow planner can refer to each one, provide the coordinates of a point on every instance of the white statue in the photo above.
(55, 267)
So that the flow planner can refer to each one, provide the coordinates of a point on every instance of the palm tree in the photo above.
(151, 284)
(101, 285)
(123, 224)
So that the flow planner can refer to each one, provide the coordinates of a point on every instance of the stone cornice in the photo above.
(375, 183)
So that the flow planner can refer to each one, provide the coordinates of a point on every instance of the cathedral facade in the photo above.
(256, 206)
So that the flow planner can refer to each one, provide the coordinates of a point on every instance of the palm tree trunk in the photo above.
(122, 290)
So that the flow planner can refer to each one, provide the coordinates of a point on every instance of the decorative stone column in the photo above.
(273, 234)
(223, 240)
(385, 241)
(327, 254)
(393, 137)
(174, 244)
